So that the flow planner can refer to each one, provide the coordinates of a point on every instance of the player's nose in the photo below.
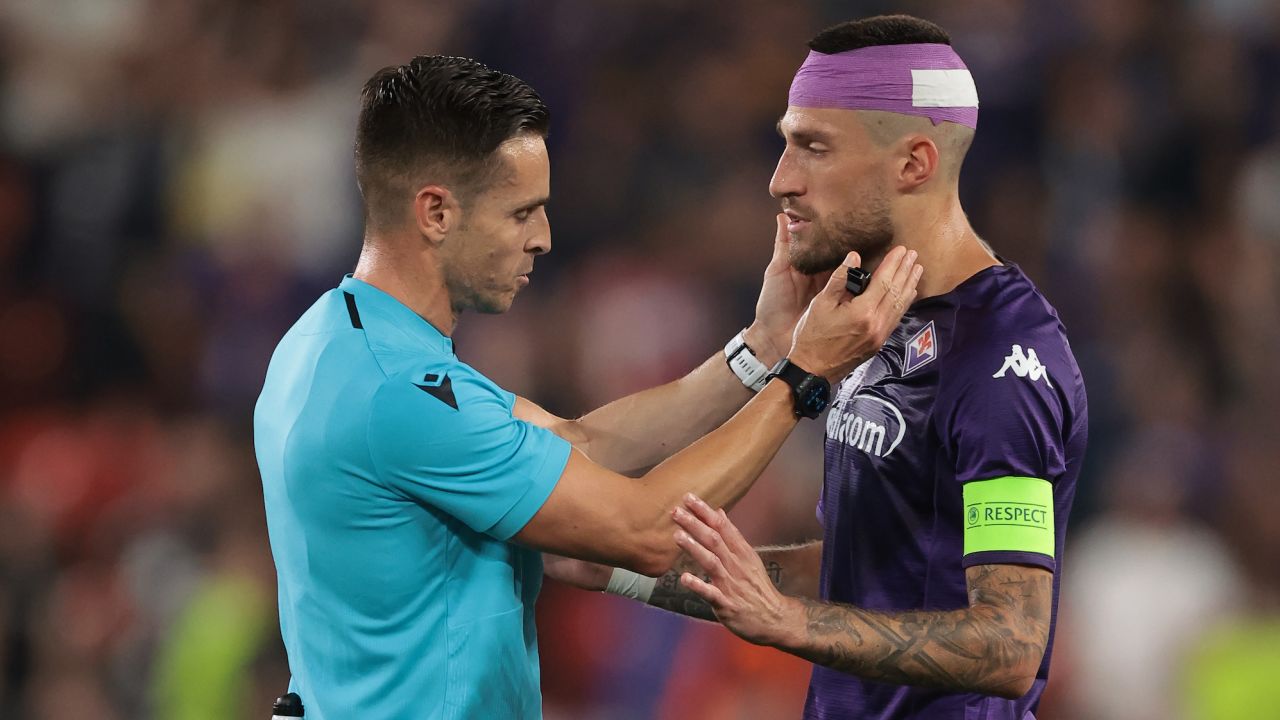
(786, 179)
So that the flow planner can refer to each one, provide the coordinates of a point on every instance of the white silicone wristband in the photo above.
(631, 585)
(744, 363)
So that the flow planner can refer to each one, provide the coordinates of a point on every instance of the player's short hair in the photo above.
(878, 30)
(437, 119)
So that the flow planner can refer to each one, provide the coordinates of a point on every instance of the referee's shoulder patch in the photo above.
(438, 385)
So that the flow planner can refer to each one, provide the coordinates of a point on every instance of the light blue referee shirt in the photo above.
(394, 476)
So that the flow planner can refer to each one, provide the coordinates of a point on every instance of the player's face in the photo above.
(830, 182)
(504, 226)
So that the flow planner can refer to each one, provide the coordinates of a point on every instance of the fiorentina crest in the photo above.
(921, 349)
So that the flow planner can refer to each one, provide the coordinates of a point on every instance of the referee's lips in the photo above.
(523, 278)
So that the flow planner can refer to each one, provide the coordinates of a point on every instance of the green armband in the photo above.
(1008, 514)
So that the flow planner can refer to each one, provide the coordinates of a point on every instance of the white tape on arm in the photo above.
(630, 584)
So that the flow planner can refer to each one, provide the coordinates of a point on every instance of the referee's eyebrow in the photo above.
(534, 203)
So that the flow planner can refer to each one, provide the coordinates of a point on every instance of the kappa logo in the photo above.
(921, 349)
(1024, 365)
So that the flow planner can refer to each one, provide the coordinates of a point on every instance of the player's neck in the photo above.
(413, 278)
(950, 251)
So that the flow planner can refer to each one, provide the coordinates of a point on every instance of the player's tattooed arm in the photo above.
(793, 570)
(993, 646)
(668, 594)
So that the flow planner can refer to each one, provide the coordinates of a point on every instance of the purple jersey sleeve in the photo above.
(999, 414)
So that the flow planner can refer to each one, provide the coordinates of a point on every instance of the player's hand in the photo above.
(785, 294)
(739, 589)
(578, 573)
(839, 332)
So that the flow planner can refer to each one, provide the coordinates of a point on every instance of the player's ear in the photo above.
(918, 162)
(436, 211)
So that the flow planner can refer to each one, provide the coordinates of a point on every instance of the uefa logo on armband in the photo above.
(972, 515)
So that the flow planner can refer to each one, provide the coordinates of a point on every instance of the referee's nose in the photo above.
(539, 242)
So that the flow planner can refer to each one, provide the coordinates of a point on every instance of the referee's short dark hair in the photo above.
(876, 31)
(437, 119)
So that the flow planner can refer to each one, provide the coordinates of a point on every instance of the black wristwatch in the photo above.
(809, 393)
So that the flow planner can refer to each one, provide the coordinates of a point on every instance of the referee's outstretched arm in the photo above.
(599, 515)
(633, 434)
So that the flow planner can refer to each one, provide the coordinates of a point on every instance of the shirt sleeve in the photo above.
(474, 461)
(1000, 426)
(999, 419)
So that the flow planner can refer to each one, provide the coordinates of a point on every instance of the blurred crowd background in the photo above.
(176, 187)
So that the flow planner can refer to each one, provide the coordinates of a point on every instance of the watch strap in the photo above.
(809, 393)
(744, 363)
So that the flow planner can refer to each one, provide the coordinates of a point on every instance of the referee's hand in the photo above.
(784, 297)
(839, 332)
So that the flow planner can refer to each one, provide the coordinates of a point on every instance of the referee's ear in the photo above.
(437, 212)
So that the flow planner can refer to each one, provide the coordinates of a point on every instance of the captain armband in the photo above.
(1008, 514)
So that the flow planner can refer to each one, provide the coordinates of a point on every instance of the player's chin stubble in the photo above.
(825, 248)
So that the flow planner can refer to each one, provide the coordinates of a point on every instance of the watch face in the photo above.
(816, 398)
(814, 394)
(810, 393)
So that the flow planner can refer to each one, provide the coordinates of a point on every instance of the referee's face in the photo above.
(830, 181)
(504, 227)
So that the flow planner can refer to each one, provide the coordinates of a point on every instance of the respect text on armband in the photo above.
(1007, 514)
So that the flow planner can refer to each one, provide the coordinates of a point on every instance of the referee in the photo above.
(407, 495)
(951, 457)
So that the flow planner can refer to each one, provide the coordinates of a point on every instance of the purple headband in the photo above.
(926, 79)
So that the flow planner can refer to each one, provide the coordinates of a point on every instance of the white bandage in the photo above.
(631, 585)
(943, 88)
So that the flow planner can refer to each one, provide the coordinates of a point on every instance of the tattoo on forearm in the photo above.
(984, 647)
(670, 595)
(775, 572)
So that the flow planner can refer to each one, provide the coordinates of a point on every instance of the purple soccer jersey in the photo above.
(976, 384)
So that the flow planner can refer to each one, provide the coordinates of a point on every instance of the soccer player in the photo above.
(407, 495)
(951, 456)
